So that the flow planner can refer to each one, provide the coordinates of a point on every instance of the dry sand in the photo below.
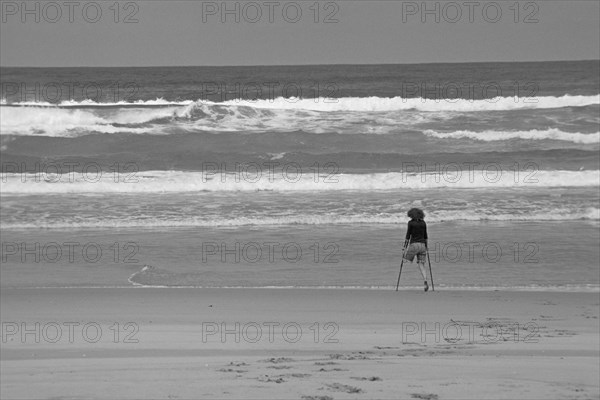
(354, 344)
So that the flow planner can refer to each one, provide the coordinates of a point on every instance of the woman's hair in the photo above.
(415, 213)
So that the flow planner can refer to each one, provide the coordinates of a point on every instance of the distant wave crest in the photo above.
(375, 104)
(372, 103)
(372, 114)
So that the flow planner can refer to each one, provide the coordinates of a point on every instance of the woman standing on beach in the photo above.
(416, 235)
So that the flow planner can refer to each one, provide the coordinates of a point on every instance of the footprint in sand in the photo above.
(332, 370)
(411, 352)
(424, 396)
(237, 371)
(267, 378)
(296, 375)
(339, 387)
(365, 378)
(278, 360)
(361, 355)
(281, 378)
(237, 364)
(326, 363)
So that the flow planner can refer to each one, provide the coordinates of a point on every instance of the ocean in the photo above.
(301, 176)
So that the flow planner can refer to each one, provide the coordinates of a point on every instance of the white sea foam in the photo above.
(145, 221)
(62, 122)
(372, 103)
(378, 104)
(373, 114)
(489, 136)
(294, 180)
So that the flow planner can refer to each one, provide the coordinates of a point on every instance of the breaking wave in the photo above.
(373, 114)
(556, 214)
(550, 134)
(290, 181)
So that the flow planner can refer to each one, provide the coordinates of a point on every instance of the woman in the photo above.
(416, 235)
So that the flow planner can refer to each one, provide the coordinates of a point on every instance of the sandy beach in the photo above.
(298, 344)
(217, 200)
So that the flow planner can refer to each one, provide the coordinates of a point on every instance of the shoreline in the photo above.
(590, 290)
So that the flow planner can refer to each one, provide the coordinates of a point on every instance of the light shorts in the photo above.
(416, 249)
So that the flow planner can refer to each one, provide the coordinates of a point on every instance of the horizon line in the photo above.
(297, 65)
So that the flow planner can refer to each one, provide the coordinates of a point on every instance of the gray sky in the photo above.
(366, 32)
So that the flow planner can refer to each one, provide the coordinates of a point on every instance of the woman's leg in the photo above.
(421, 263)
(423, 271)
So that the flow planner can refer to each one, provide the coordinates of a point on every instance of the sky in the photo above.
(269, 32)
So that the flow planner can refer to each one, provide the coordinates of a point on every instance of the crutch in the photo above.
(430, 271)
(402, 262)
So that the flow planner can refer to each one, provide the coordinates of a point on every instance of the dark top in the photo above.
(417, 231)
